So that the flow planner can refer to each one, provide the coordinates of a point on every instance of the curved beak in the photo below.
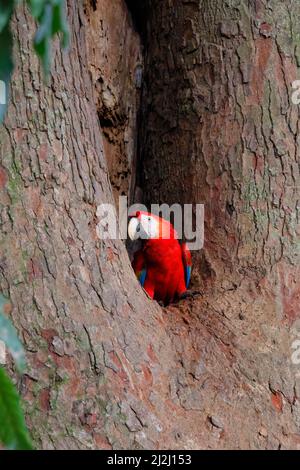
(133, 228)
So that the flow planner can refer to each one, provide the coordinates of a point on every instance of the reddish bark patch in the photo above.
(276, 399)
(43, 152)
(35, 201)
(27, 389)
(147, 375)
(265, 29)
(263, 48)
(259, 164)
(71, 241)
(291, 303)
(74, 386)
(116, 361)
(34, 270)
(110, 254)
(102, 442)
(66, 362)
(3, 178)
(290, 292)
(45, 399)
(91, 420)
(152, 354)
(19, 135)
(48, 335)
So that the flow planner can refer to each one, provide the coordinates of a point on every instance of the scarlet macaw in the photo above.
(162, 265)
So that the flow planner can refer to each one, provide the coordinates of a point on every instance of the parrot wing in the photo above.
(187, 263)
(139, 266)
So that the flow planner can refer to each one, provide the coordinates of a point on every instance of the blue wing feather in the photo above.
(142, 277)
(187, 263)
(139, 266)
(188, 270)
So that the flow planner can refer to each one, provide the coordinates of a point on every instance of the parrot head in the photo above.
(147, 226)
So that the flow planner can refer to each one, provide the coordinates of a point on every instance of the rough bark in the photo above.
(107, 367)
(76, 303)
(219, 128)
(115, 59)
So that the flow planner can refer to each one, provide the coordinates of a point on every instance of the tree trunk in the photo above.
(76, 303)
(107, 367)
(220, 128)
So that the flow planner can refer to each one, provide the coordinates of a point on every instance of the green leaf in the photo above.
(13, 431)
(36, 7)
(51, 18)
(6, 68)
(43, 37)
(9, 336)
(6, 9)
(60, 22)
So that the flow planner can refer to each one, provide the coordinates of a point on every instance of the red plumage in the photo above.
(163, 264)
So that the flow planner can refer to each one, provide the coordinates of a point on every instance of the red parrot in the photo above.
(162, 265)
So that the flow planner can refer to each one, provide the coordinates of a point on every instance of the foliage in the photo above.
(50, 16)
(51, 19)
(9, 336)
(13, 431)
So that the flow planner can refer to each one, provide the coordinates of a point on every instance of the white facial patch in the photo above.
(133, 229)
(144, 228)
(149, 227)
